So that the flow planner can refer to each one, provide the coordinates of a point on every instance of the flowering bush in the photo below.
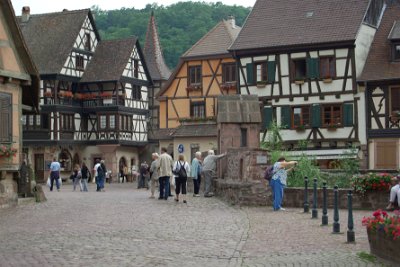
(371, 181)
(381, 221)
(7, 151)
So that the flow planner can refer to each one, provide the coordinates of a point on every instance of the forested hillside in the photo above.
(179, 25)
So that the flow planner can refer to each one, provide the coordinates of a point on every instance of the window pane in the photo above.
(112, 121)
(397, 52)
(103, 122)
(300, 68)
(296, 117)
(395, 99)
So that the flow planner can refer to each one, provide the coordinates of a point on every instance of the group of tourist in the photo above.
(175, 174)
(79, 176)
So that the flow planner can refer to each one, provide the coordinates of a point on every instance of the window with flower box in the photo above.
(228, 73)
(300, 117)
(332, 115)
(327, 67)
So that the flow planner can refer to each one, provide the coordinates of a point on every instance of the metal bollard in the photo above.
(314, 212)
(324, 208)
(336, 224)
(350, 222)
(306, 205)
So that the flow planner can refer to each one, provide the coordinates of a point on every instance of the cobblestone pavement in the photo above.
(123, 227)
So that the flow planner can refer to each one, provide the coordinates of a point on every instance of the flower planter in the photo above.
(327, 80)
(331, 129)
(299, 82)
(384, 246)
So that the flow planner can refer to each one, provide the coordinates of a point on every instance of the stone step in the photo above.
(26, 200)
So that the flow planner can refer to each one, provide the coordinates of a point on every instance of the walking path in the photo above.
(123, 227)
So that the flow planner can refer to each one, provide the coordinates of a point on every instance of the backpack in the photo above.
(269, 172)
(182, 172)
(100, 171)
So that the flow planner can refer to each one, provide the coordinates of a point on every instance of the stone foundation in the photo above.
(8, 190)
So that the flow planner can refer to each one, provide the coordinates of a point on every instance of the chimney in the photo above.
(231, 19)
(26, 12)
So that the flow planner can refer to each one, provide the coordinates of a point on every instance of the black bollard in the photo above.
(324, 208)
(314, 212)
(350, 222)
(336, 224)
(306, 205)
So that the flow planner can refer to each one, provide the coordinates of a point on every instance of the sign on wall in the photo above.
(181, 148)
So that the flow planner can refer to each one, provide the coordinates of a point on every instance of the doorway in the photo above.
(39, 168)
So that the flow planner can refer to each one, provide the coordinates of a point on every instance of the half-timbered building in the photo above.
(381, 82)
(19, 85)
(302, 58)
(93, 95)
(189, 98)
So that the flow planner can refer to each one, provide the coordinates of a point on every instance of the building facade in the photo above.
(304, 68)
(93, 94)
(381, 82)
(19, 83)
(188, 101)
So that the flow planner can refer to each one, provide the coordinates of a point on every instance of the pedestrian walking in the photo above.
(144, 170)
(55, 168)
(164, 166)
(278, 181)
(76, 177)
(100, 170)
(153, 174)
(181, 170)
(85, 177)
(196, 170)
(209, 168)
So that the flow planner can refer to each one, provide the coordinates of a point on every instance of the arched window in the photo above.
(65, 160)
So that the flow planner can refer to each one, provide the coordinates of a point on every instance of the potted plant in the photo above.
(261, 84)
(327, 79)
(384, 234)
(194, 87)
(48, 94)
(332, 127)
(300, 128)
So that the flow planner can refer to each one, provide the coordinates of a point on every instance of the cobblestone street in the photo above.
(123, 227)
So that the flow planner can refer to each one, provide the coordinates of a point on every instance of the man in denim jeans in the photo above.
(55, 174)
(164, 166)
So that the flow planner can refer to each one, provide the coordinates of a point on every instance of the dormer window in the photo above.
(394, 38)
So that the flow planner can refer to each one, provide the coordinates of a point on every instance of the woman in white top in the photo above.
(181, 170)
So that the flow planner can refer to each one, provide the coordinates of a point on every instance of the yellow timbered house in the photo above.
(188, 101)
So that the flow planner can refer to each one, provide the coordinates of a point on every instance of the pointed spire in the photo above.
(153, 52)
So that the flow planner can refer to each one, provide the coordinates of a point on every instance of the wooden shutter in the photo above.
(5, 117)
(286, 117)
(348, 114)
(271, 68)
(250, 73)
(267, 117)
(312, 68)
(316, 116)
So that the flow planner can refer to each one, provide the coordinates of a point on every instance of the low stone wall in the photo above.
(257, 193)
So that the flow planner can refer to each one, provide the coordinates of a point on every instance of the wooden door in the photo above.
(39, 168)
(386, 154)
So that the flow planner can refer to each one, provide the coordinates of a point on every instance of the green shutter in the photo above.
(271, 68)
(312, 68)
(250, 73)
(316, 116)
(348, 114)
(267, 117)
(286, 117)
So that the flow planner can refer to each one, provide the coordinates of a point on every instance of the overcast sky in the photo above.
(45, 6)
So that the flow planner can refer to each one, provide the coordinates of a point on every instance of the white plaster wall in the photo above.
(363, 42)
(205, 144)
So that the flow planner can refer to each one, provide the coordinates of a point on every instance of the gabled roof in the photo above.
(110, 60)
(50, 37)
(153, 53)
(216, 41)
(288, 23)
(30, 93)
(379, 65)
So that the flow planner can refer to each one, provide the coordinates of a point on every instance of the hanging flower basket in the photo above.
(7, 151)
(105, 94)
(48, 94)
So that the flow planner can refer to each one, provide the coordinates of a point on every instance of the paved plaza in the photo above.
(123, 227)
